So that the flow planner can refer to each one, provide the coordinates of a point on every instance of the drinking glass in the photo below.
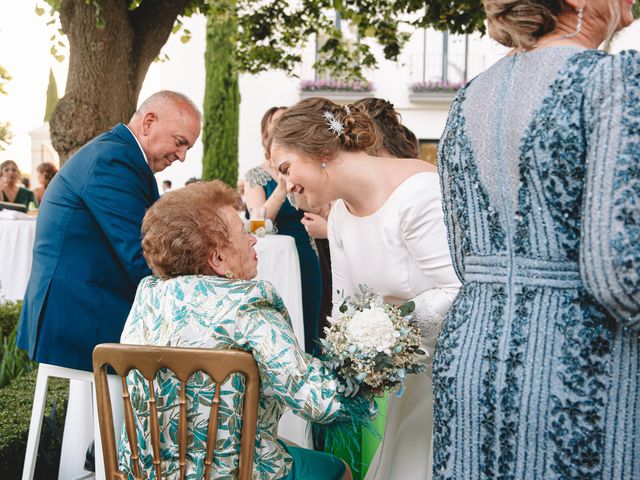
(256, 218)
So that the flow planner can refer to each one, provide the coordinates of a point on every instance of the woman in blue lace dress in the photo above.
(263, 188)
(537, 370)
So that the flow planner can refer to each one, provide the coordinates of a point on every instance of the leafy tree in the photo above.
(113, 42)
(5, 127)
(221, 96)
(52, 96)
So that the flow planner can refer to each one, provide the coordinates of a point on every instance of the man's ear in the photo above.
(147, 120)
(217, 263)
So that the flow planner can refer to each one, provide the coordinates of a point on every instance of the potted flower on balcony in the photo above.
(340, 91)
(434, 91)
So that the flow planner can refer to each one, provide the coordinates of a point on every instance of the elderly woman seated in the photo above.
(202, 295)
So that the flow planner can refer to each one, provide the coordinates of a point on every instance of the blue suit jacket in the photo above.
(87, 256)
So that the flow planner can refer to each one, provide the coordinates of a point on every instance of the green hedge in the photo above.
(13, 361)
(15, 411)
(9, 315)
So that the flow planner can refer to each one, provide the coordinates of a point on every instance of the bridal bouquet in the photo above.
(372, 346)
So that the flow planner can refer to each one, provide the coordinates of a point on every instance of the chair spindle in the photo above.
(212, 431)
(155, 430)
(131, 428)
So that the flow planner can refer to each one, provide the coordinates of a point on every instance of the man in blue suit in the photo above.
(87, 257)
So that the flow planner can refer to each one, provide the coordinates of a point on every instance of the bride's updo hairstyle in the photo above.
(520, 23)
(321, 129)
(397, 139)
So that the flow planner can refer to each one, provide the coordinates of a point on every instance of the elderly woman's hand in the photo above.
(315, 225)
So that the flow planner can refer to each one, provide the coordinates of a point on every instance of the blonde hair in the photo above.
(185, 226)
(520, 23)
(10, 162)
(303, 127)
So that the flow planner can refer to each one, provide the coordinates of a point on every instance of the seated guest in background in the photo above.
(12, 191)
(265, 188)
(87, 257)
(192, 180)
(202, 295)
(46, 171)
(166, 186)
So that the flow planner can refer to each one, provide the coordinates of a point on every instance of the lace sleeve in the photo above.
(257, 176)
(610, 247)
(431, 307)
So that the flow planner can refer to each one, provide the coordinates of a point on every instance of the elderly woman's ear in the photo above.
(217, 263)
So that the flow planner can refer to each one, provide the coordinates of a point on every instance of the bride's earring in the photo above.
(579, 25)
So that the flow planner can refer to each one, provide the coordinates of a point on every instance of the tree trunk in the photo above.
(221, 96)
(110, 54)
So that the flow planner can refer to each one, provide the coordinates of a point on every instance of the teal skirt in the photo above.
(312, 465)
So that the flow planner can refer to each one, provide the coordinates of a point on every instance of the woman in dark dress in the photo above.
(265, 189)
(10, 177)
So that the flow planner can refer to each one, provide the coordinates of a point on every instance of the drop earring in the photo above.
(579, 24)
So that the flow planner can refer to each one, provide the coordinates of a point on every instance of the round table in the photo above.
(16, 245)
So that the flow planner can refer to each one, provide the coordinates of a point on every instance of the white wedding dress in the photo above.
(400, 252)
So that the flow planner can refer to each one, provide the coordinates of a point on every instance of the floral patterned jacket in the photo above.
(213, 312)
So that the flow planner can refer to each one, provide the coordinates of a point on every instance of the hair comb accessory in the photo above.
(334, 124)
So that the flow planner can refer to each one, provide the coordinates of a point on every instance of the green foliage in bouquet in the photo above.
(372, 346)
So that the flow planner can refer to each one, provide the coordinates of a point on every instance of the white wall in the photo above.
(185, 72)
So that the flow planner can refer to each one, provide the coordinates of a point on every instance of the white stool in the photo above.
(80, 423)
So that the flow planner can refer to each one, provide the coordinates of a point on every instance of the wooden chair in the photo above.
(183, 362)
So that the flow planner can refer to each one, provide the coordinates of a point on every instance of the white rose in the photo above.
(372, 329)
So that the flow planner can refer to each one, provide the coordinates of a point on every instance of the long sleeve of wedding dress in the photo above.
(431, 308)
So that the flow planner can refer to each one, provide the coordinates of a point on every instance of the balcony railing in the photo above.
(340, 91)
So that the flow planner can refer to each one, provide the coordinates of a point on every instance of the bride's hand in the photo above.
(315, 225)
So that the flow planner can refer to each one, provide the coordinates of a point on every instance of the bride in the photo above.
(386, 230)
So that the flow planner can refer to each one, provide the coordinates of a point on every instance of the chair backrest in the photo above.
(183, 362)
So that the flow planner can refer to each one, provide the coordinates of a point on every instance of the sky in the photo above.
(25, 53)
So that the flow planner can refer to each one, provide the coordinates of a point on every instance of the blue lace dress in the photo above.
(537, 369)
(287, 222)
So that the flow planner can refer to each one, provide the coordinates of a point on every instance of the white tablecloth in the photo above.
(278, 263)
(16, 245)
